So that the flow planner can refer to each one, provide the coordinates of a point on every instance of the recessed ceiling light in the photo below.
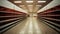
(41, 1)
(39, 5)
(17, 1)
(29, 1)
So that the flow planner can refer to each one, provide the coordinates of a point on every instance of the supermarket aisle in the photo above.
(31, 26)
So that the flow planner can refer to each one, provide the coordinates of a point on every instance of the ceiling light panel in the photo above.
(17, 2)
(41, 1)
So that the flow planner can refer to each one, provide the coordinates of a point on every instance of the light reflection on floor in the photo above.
(31, 27)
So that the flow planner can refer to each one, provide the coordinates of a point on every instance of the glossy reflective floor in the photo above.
(31, 26)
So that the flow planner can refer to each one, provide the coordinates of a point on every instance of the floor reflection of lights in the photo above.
(30, 30)
(37, 30)
(30, 27)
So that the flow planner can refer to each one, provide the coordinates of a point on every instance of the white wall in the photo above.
(8, 4)
(50, 5)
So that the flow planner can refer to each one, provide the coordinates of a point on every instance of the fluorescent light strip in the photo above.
(41, 1)
(17, 2)
(29, 1)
